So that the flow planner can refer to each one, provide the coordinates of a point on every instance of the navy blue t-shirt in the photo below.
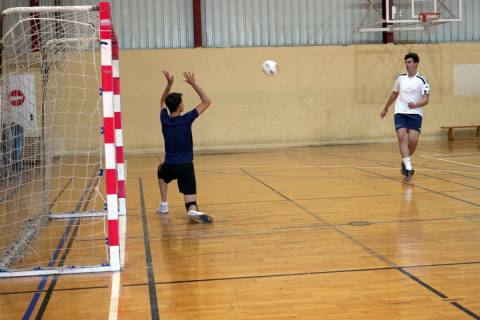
(177, 134)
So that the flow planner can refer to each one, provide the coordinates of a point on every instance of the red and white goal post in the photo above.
(62, 172)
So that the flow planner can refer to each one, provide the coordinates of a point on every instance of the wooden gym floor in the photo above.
(304, 233)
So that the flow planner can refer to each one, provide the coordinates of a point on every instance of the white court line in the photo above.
(451, 154)
(199, 168)
(455, 162)
(454, 156)
(114, 296)
(263, 167)
(449, 171)
(466, 157)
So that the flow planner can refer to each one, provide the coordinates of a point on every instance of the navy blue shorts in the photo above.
(409, 121)
(184, 173)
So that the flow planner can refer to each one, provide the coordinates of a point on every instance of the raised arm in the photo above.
(393, 96)
(167, 88)
(206, 102)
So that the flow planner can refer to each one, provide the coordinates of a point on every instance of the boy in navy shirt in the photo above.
(177, 134)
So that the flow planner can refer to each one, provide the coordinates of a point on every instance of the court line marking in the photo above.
(43, 281)
(427, 189)
(439, 293)
(462, 157)
(368, 249)
(152, 290)
(36, 296)
(450, 161)
(200, 168)
(450, 181)
(307, 273)
(370, 223)
(451, 154)
(56, 290)
(407, 273)
(54, 281)
(372, 251)
(73, 236)
(114, 296)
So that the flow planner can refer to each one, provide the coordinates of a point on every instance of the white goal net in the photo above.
(52, 204)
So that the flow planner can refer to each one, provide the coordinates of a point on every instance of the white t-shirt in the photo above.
(410, 89)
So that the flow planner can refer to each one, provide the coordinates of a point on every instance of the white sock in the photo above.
(407, 163)
(164, 203)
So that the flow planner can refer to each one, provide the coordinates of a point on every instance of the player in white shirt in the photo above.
(410, 93)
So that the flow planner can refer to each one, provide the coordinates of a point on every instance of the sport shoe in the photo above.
(199, 216)
(403, 170)
(163, 208)
(409, 174)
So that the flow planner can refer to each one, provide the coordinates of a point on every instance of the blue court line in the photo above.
(43, 281)
(41, 285)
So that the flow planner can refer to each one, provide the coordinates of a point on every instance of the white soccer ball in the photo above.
(270, 67)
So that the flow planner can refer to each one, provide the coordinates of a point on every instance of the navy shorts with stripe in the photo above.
(409, 121)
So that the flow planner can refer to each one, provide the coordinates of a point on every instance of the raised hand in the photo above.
(189, 78)
(206, 102)
(166, 91)
(168, 77)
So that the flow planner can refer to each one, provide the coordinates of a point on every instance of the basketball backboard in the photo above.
(407, 11)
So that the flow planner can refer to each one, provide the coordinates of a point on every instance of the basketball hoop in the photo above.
(425, 17)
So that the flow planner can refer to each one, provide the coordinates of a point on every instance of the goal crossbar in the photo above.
(49, 9)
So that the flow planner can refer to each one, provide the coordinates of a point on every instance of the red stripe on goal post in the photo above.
(113, 232)
(118, 125)
(111, 176)
(107, 79)
(109, 130)
(121, 188)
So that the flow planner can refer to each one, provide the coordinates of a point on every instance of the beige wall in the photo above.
(322, 94)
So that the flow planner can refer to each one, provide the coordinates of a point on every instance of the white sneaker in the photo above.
(199, 216)
(163, 208)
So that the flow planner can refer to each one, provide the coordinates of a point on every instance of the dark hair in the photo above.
(412, 55)
(173, 100)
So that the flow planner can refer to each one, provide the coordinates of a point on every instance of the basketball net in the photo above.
(426, 17)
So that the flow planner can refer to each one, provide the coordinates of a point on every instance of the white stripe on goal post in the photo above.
(109, 133)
